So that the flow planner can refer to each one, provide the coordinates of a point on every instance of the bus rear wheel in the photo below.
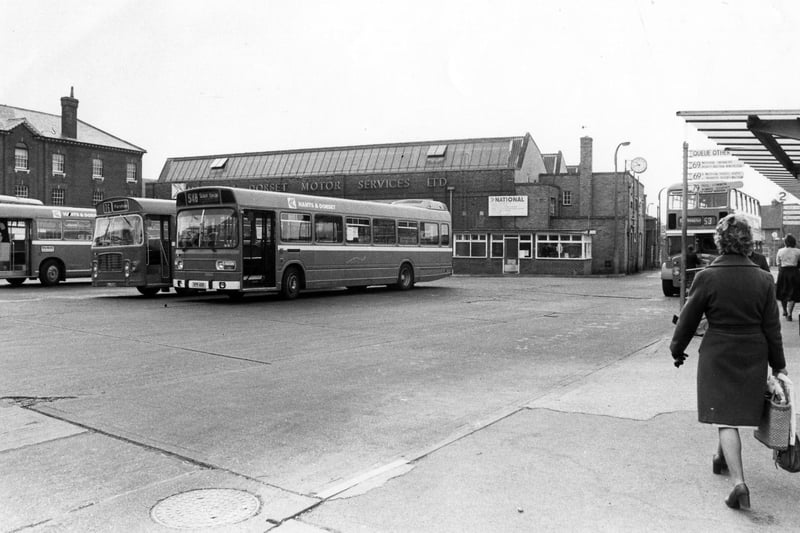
(405, 278)
(16, 282)
(292, 281)
(50, 273)
(148, 292)
(668, 288)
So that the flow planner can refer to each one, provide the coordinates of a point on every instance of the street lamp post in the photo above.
(615, 258)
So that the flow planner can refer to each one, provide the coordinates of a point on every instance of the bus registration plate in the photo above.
(193, 284)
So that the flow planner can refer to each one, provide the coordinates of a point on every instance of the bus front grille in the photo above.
(109, 262)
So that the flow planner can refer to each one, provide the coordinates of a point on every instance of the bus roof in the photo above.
(44, 211)
(278, 200)
(132, 204)
(17, 200)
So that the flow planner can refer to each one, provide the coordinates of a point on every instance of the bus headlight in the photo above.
(226, 264)
(126, 269)
(95, 269)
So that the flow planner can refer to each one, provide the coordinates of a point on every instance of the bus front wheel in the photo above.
(668, 289)
(405, 278)
(290, 287)
(50, 273)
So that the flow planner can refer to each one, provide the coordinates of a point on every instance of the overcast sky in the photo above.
(186, 78)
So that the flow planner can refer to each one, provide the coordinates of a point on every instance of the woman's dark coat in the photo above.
(744, 335)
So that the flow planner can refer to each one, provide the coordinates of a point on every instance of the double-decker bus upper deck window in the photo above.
(407, 232)
(207, 228)
(429, 233)
(358, 230)
(295, 227)
(383, 231)
(118, 230)
(328, 228)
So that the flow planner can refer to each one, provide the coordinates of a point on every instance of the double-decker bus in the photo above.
(238, 240)
(51, 243)
(707, 202)
(132, 244)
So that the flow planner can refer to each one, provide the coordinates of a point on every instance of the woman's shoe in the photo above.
(718, 464)
(739, 498)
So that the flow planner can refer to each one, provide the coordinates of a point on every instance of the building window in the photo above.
(97, 196)
(470, 245)
(560, 246)
(524, 246)
(97, 169)
(497, 246)
(21, 157)
(58, 164)
(219, 163)
(566, 198)
(130, 176)
(21, 191)
(57, 196)
(437, 150)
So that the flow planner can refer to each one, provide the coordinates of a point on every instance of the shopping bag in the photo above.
(777, 423)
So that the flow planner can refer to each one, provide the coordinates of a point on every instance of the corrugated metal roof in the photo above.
(48, 125)
(768, 141)
(465, 154)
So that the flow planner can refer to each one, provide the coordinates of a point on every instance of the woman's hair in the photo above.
(790, 241)
(734, 236)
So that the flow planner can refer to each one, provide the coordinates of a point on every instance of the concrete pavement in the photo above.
(618, 449)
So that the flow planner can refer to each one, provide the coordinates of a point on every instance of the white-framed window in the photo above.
(21, 191)
(470, 245)
(97, 169)
(563, 246)
(130, 175)
(97, 196)
(58, 164)
(526, 246)
(21, 157)
(566, 198)
(496, 247)
(57, 196)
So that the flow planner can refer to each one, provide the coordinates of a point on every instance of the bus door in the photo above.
(258, 248)
(14, 250)
(158, 256)
(511, 254)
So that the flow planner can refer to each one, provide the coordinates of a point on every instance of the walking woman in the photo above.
(742, 340)
(788, 291)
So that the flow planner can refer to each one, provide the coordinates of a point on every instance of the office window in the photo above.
(571, 246)
(97, 196)
(58, 164)
(21, 191)
(470, 245)
(97, 169)
(57, 196)
(130, 176)
(566, 198)
(21, 157)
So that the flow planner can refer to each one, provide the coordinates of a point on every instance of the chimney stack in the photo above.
(585, 179)
(69, 115)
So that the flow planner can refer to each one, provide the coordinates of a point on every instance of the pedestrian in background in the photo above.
(760, 261)
(788, 291)
(742, 340)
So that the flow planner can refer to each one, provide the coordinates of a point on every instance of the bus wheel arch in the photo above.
(405, 277)
(148, 292)
(292, 282)
(15, 282)
(51, 271)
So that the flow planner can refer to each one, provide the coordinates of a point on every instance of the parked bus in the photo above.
(238, 240)
(51, 243)
(132, 244)
(707, 203)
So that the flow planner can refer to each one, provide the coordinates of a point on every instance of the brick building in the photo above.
(61, 160)
(515, 210)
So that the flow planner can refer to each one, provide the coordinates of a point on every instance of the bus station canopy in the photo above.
(768, 141)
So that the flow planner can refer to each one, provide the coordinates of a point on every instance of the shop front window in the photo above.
(470, 245)
(563, 246)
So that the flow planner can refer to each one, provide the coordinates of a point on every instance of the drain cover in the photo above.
(205, 508)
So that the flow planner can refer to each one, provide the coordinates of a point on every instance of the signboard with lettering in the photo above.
(508, 206)
(706, 164)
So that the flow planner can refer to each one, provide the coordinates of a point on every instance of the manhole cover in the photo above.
(205, 508)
